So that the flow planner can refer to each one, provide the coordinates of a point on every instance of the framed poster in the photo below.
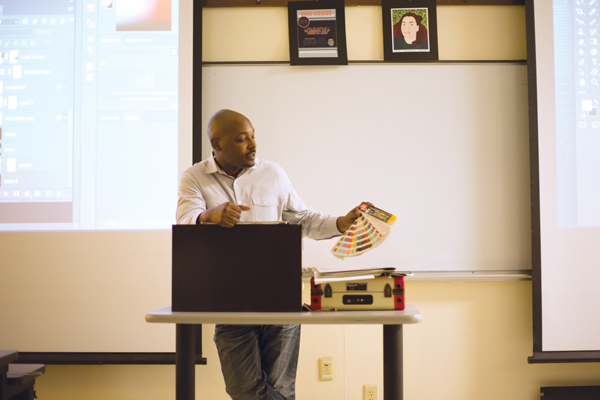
(409, 30)
(317, 32)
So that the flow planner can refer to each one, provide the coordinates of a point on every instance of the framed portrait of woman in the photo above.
(409, 30)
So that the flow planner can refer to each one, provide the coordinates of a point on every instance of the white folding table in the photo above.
(392, 322)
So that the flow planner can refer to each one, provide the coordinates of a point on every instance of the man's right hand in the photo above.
(226, 214)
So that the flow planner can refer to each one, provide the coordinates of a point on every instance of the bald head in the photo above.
(224, 121)
(233, 141)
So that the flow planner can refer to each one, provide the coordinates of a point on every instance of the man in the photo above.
(233, 185)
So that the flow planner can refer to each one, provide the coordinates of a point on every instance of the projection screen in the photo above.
(95, 128)
(564, 78)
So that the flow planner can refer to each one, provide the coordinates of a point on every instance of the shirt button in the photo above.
(266, 203)
(239, 202)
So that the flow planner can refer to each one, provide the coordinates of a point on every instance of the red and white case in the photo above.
(382, 293)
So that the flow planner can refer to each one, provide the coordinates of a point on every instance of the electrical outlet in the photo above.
(326, 369)
(370, 392)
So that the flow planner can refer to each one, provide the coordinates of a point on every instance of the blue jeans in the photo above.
(259, 361)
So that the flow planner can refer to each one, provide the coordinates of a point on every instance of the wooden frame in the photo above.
(284, 3)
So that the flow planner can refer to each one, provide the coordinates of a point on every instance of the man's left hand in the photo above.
(344, 223)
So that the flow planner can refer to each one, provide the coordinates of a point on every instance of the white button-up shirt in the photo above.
(265, 187)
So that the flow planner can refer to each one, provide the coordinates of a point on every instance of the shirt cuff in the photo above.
(331, 225)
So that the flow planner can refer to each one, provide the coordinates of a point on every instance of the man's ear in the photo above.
(214, 142)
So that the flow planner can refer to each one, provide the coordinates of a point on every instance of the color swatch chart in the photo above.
(367, 232)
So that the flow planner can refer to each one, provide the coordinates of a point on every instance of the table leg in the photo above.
(185, 362)
(392, 363)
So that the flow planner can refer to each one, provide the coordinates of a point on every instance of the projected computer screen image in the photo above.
(577, 87)
(144, 15)
(566, 175)
(88, 114)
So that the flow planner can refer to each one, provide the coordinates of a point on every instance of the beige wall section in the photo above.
(472, 344)
(475, 338)
(482, 33)
(492, 33)
(245, 34)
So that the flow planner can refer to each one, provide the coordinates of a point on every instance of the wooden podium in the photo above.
(247, 268)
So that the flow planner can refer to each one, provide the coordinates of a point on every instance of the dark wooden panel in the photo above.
(480, 2)
(283, 3)
(208, 277)
(8, 356)
(547, 357)
(197, 88)
(571, 393)
(103, 358)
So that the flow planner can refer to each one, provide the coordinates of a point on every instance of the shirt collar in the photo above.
(213, 167)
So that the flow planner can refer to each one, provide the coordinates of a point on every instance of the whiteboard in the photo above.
(443, 146)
